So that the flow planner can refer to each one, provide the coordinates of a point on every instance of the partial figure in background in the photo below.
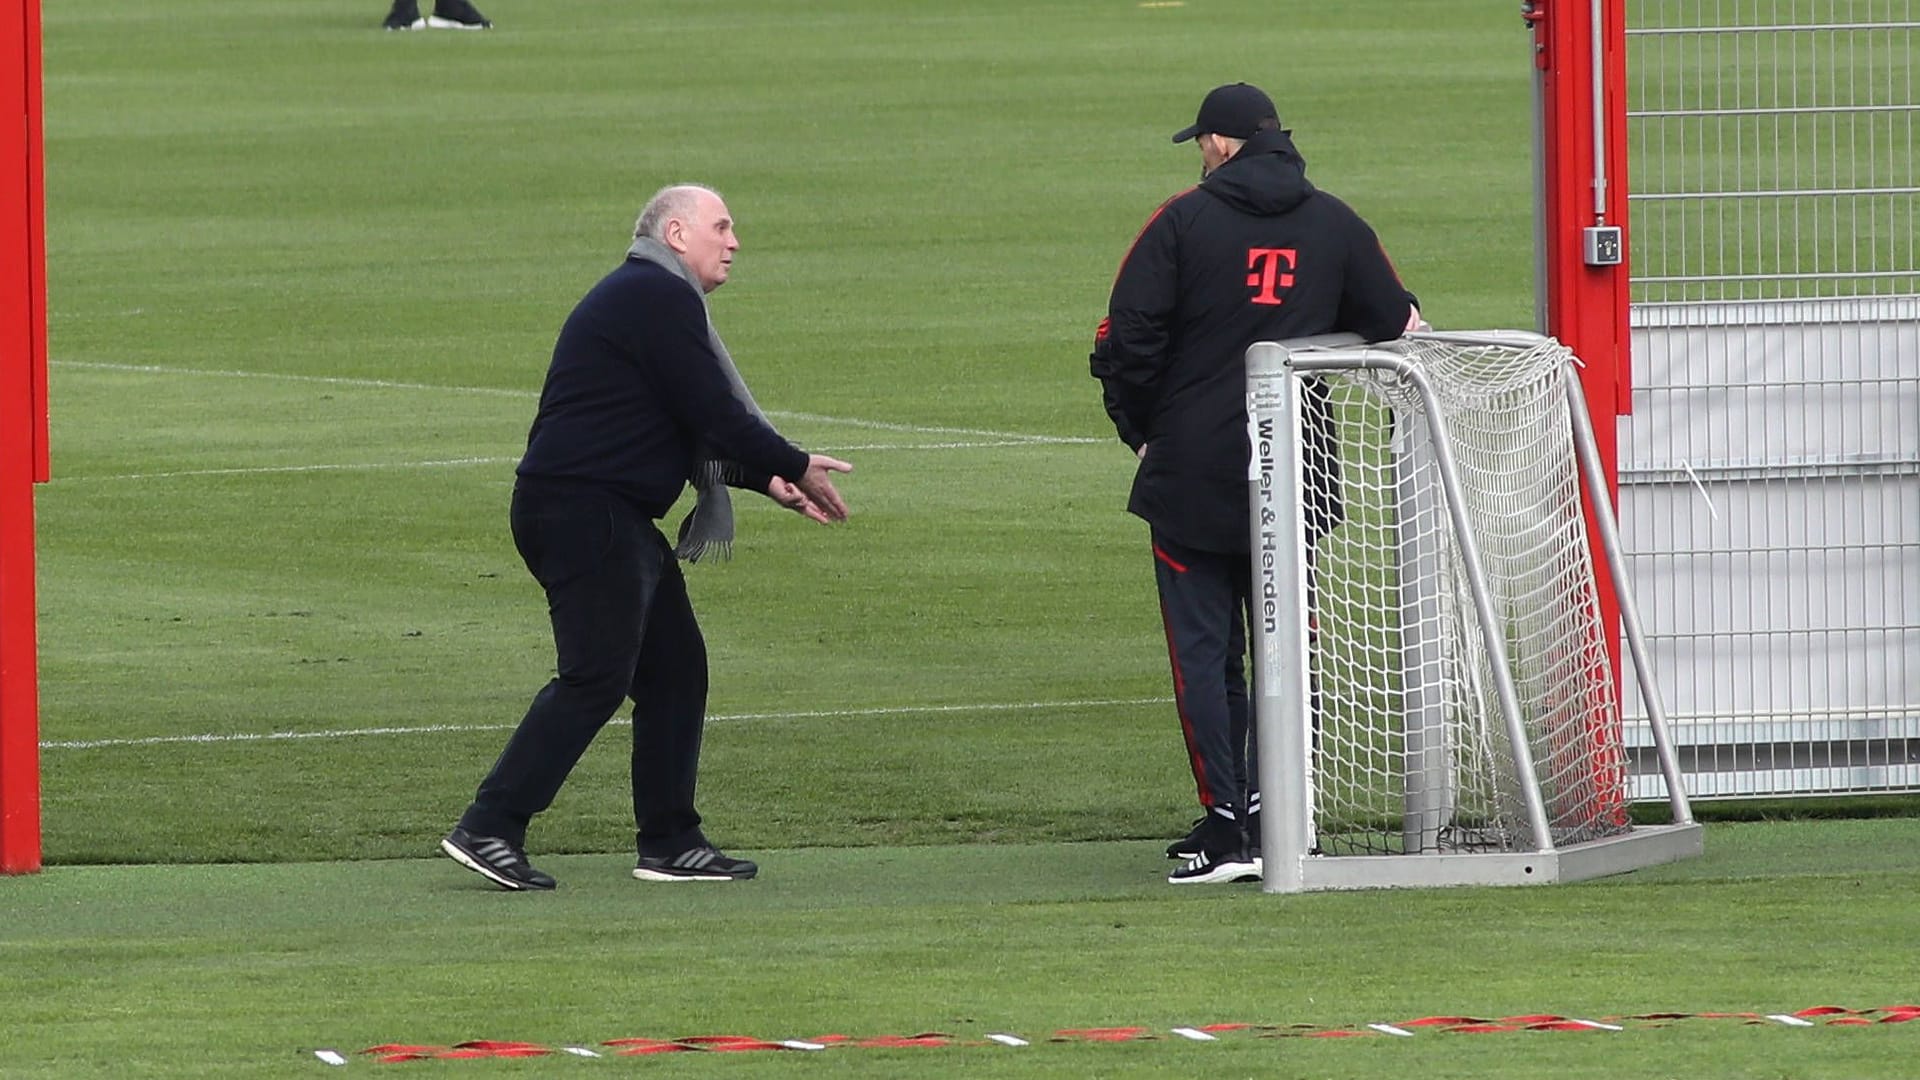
(447, 15)
(1252, 253)
(640, 399)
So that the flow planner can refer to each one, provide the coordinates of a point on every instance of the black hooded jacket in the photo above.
(1254, 253)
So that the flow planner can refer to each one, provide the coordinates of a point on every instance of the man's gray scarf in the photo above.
(708, 529)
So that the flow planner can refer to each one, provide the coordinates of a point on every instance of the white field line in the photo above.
(325, 380)
(454, 463)
(260, 469)
(435, 729)
(1024, 440)
(918, 429)
(492, 391)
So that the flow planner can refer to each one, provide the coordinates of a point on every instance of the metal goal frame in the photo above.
(1280, 647)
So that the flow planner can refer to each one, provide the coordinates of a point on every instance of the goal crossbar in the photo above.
(1441, 724)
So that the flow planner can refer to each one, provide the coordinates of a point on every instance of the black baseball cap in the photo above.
(1234, 110)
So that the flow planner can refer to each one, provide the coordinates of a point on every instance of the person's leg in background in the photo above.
(1199, 605)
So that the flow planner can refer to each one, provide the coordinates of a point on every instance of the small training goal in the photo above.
(1436, 703)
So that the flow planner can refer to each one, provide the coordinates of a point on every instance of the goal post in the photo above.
(1434, 693)
(23, 427)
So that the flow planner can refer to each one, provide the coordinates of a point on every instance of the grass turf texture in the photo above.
(374, 238)
(932, 201)
(244, 970)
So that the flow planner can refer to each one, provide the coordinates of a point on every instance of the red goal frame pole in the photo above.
(24, 453)
(1583, 287)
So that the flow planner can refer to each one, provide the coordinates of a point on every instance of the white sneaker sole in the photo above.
(480, 868)
(435, 22)
(1221, 873)
(641, 873)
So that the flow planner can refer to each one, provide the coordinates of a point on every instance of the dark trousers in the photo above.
(1205, 605)
(622, 627)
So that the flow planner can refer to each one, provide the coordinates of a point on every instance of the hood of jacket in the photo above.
(1267, 177)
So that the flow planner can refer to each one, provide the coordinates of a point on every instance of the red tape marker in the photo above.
(1814, 1016)
(727, 1043)
(925, 1038)
(1107, 1034)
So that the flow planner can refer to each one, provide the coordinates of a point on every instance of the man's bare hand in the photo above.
(817, 486)
(789, 495)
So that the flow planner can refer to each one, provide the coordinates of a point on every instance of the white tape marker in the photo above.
(1790, 1021)
(331, 1057)
(1389, 1029)
(1195, 1034)
(1008, 1040)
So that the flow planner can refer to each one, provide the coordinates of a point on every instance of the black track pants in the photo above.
(622, 627)
(1204, 604)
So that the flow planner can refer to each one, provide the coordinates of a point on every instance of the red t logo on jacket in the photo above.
(1266, 273)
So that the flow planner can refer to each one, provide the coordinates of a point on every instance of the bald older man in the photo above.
(640, 399)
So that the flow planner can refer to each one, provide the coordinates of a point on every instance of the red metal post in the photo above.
(37, 245)
(1586, 304)
(1580, 53)
(23, 427)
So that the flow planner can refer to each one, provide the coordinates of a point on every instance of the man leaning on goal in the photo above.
(1252, 253)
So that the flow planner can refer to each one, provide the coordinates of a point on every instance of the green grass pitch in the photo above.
(304, 277)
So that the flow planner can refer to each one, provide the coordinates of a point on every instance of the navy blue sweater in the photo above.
(633, 387)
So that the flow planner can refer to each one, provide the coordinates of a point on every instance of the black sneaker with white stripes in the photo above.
(1207, 868)
(1189, 845)
(1211, 832)
(499, 861)
(702, 863)
(1219, 851)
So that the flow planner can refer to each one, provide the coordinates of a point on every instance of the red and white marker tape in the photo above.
(1817, 1016)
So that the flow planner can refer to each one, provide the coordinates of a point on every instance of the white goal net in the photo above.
(1458, 696)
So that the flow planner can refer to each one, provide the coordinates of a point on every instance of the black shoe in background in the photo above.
(405, 16)
(457, 15)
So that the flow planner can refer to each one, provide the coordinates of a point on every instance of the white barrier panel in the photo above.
(1770, 505)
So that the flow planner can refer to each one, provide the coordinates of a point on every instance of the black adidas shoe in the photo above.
(457, 15)
(703, 863)
(405, 16)
(499, 861)
(1210, 869)
(1189, 845)
(1210, 832)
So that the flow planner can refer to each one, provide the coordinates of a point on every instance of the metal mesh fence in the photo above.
(1772, 148)
(1770, 469)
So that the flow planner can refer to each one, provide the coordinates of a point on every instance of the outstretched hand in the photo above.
(789, 495)
(813, 494)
